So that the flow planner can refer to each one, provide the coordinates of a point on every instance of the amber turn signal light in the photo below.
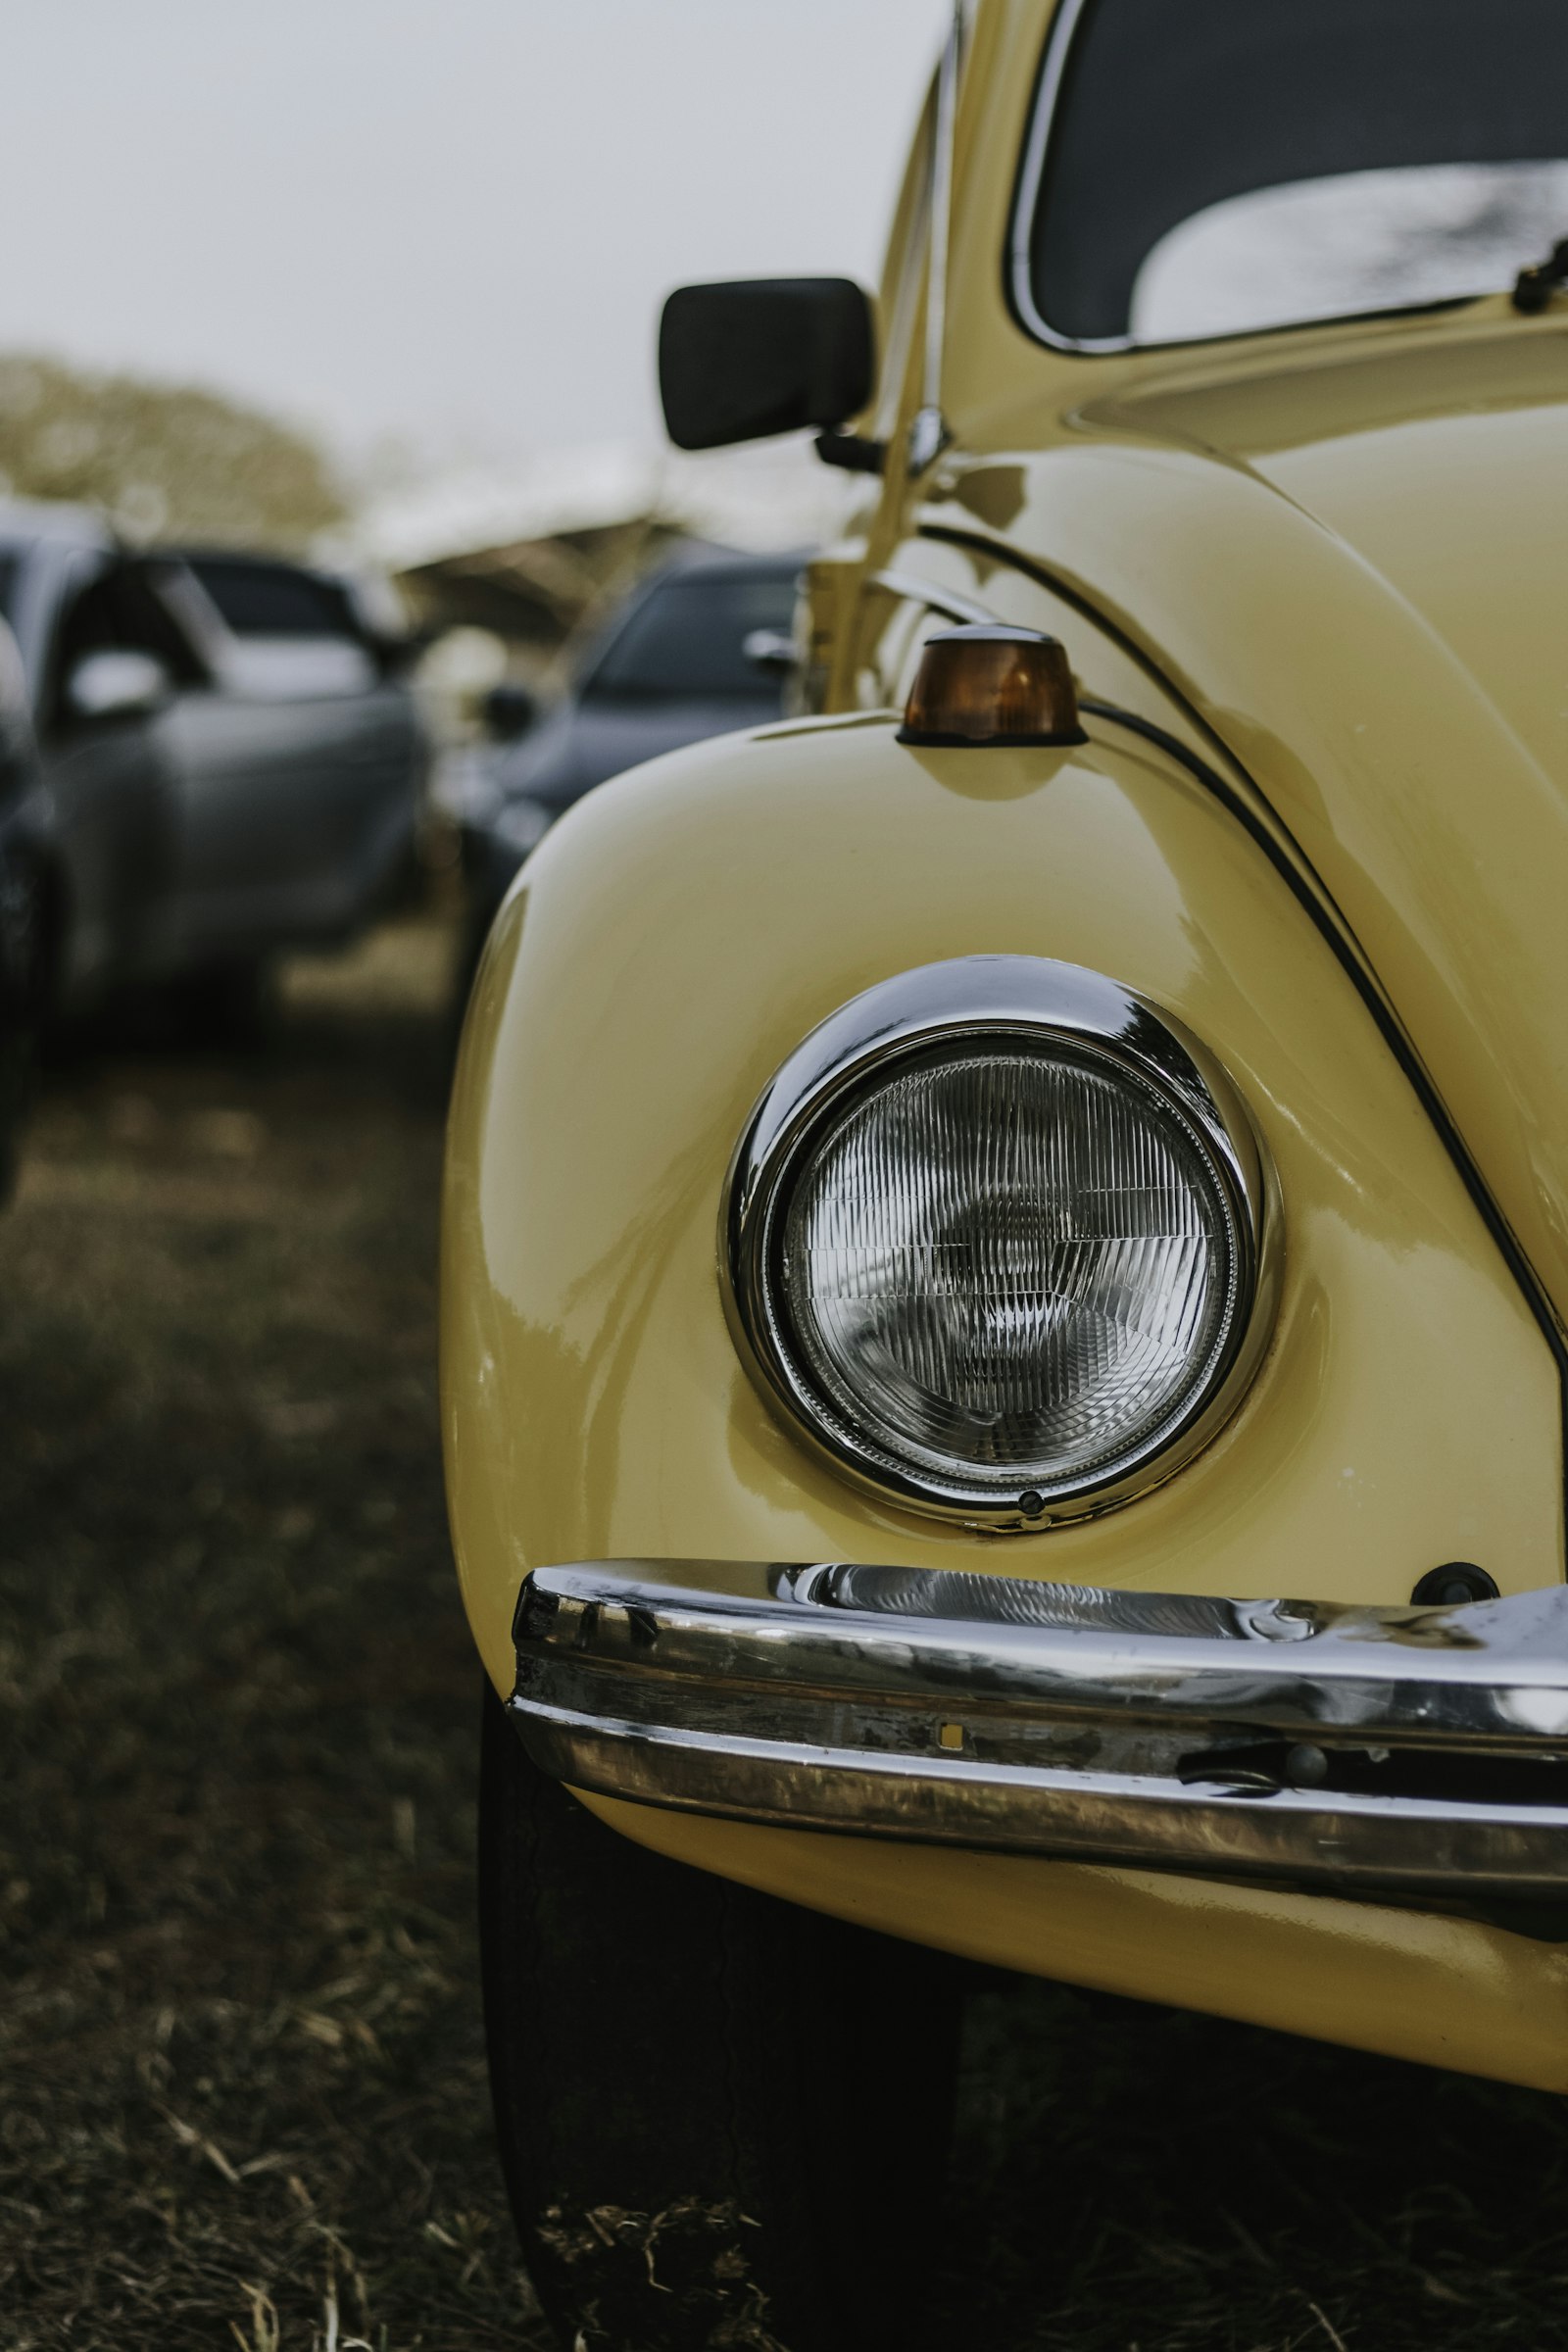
(992, 685)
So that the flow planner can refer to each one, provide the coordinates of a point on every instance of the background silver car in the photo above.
(234, 762)
(25, 840)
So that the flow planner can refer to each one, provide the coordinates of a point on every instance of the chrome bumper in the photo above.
(1415, 1752)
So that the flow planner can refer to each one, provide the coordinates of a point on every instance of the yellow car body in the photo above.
(1310, 584)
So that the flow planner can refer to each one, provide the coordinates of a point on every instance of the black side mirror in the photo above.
(509, 712)
(760, 356)
(771, 650)
(113, 684)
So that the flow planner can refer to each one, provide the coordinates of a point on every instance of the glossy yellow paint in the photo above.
(1333, 545)
(1405, 717)
(1323, 558)
(684, 928)
(680, 932)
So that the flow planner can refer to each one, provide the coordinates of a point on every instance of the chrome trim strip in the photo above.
(1351, 1749)
(999, 997)
(1037, 146)
(949, 602)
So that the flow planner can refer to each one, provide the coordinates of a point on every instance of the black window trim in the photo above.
(1031, 179)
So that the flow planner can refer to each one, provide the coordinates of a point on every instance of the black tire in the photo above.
(227, 1005)
(471, 936)
(723, 2120)
(24, 986)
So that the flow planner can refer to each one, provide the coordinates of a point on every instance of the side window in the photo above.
(274, 600)
(687, 639)
(119, 612)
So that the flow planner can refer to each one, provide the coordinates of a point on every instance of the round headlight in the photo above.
(995, 1237)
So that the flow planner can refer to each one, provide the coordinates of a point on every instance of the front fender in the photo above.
(666, 948)
(675, 938)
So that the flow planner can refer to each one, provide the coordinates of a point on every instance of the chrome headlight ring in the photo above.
(883, 1074)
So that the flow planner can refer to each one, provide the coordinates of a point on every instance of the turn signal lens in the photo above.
(992, 685)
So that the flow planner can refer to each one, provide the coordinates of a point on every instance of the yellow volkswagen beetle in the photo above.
(1006, 1237)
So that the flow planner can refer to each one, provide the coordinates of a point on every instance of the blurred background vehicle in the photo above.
(703, 646)
(25, 845)
(234, 760)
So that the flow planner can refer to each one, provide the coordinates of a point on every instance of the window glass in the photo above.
(119, 612)
(273, 599)
(686, 641)
(1365, 241)
(1215, 166)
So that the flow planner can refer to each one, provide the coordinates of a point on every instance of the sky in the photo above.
(441, 223)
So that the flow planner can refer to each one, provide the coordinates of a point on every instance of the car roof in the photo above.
(32, 518)
(696, 560)
(264, 559)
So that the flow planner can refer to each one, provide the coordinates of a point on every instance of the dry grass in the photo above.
(243, 2097)
(1139, 2180)
(243, 2081)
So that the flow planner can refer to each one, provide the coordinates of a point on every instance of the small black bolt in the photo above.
(642, 1625)
(1452, 1585)
(1030, 1503)
(1307, 1767)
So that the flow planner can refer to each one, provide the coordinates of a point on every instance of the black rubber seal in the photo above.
(990, 742)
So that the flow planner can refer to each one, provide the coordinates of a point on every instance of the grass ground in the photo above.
(241, 2079)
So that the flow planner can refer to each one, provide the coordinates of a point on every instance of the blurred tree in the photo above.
(161, 461)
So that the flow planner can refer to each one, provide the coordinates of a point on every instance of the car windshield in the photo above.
(1233, 165)
(686, 642)
(270, 600)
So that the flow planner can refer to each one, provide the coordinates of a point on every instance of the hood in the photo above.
(1435, 468)
(1355, 568)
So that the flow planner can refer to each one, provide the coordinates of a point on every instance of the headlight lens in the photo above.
(999, 1269)
(1009, 1263)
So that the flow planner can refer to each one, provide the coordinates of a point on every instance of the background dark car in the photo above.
(233, 763)
(25, 846)
(702, 646)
